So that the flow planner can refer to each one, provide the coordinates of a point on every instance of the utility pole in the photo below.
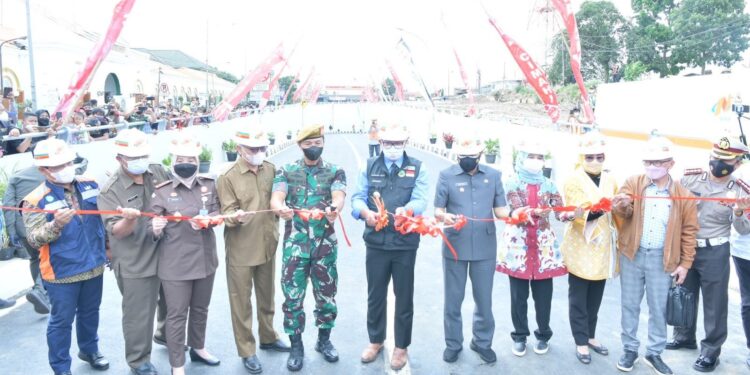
(158, 88)
(31, 55)
(207, 92)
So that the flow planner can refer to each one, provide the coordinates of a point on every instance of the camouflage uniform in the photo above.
(310, 248)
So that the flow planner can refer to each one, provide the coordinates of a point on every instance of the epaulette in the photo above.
(108, 184)
(163, 184)
(693, 171)
(743, 185)
(206, 177)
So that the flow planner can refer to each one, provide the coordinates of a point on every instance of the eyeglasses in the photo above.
(656, 163)
(255, 150)
(590, 158)
(391, 144)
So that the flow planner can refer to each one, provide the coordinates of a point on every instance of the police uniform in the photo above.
(710, 271)
(134, 257)
(72, 257)
(187, 260)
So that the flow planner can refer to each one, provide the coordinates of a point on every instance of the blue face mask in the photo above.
(138, 166)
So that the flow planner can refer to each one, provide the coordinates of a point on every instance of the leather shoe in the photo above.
(277, 346)
(144, 369)
(252, 364)
(705, 364)
(211, 361)
(371, 353)
(584, 358)
(399, 359)
(450, 355)
(96, 360)
(601, 349)
(677, 345)
(40, 301)
(488, 355)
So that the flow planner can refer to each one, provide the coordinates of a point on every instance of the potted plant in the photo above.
(271, 138)
(289, 134)
(205, 160)
(547, 171)
(230, 147)
(448, 139)
(433, 138)
(491, 149)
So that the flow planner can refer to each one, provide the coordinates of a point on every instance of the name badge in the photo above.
(56, 205)
(89, 194)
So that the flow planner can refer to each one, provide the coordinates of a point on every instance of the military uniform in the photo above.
(310, 247)
(710, 271)
(134, 261)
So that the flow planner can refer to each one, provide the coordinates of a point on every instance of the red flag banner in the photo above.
(472, 108)
(267, 94)
(301, 89)
(569, 18)
(83, 80)
(533, 73)
(258, 74)
(396, 82)
(315, 94)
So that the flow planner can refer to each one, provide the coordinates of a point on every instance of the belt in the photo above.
(706, 242)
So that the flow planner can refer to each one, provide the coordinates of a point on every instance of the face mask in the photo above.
(468, 163)
(65, 176)
(393, 153)
(593, 167)
(256, 159)
(185, 170)
(4, 116)
(138, 166)
(533, 165)
(43, 121)
(654, 173)
(312, 153)
(720, 168)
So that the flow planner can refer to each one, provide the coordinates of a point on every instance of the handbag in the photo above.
(680, 306)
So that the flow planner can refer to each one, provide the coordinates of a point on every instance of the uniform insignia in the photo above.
(743, 185)
(164, 183)
(693, 171)
(724, 143)
(730, 185)
(410, 173)
(132, 198)
(173, 194)
(461, 190)
(401, 173)
(49, 198)
(486, 181)
(204, 189)
(153, 195)
(705, 176)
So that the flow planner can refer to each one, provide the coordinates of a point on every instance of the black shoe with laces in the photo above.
(627, 361)
(325, 347)
(655, 362)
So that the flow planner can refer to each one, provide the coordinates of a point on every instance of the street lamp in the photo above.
(2, 81)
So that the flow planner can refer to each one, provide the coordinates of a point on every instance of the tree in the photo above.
(651, 39)
(710, 32)
(602, 31)
(227, 76)
(284, 83)
(389, 87)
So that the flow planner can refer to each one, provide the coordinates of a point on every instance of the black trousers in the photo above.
(584, 299)
(742, 266)
(374, 150)
(541, 291)
(381, 266)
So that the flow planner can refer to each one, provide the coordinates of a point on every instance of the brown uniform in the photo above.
(251, 251)
(134, 260)
(187, 261)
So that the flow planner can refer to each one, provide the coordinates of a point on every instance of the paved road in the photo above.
(22, 332)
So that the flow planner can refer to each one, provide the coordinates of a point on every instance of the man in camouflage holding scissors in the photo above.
(316, 189)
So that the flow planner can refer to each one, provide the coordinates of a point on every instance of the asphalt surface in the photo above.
(23, 348)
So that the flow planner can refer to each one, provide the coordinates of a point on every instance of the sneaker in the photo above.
(655, 362)
(519, 348)
(541, 347)
(627, 361)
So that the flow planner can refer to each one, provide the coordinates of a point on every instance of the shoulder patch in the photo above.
(206, 177)
(693, 171)
(163, 184)
(37, 194)
(743, 185)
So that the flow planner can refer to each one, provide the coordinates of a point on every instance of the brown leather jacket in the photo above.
(679, 246)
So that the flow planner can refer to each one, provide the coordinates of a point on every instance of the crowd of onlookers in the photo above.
(92, 122)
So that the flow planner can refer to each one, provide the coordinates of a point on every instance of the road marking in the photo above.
(354, 150)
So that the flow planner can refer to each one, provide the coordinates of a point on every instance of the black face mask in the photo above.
(43, 121)
(185, 170)
(312, 153)
(468, 163)
(720, 168)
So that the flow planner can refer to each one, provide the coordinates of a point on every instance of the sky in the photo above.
(346, 41)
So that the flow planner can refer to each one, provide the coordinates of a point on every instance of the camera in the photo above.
(740, 108)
